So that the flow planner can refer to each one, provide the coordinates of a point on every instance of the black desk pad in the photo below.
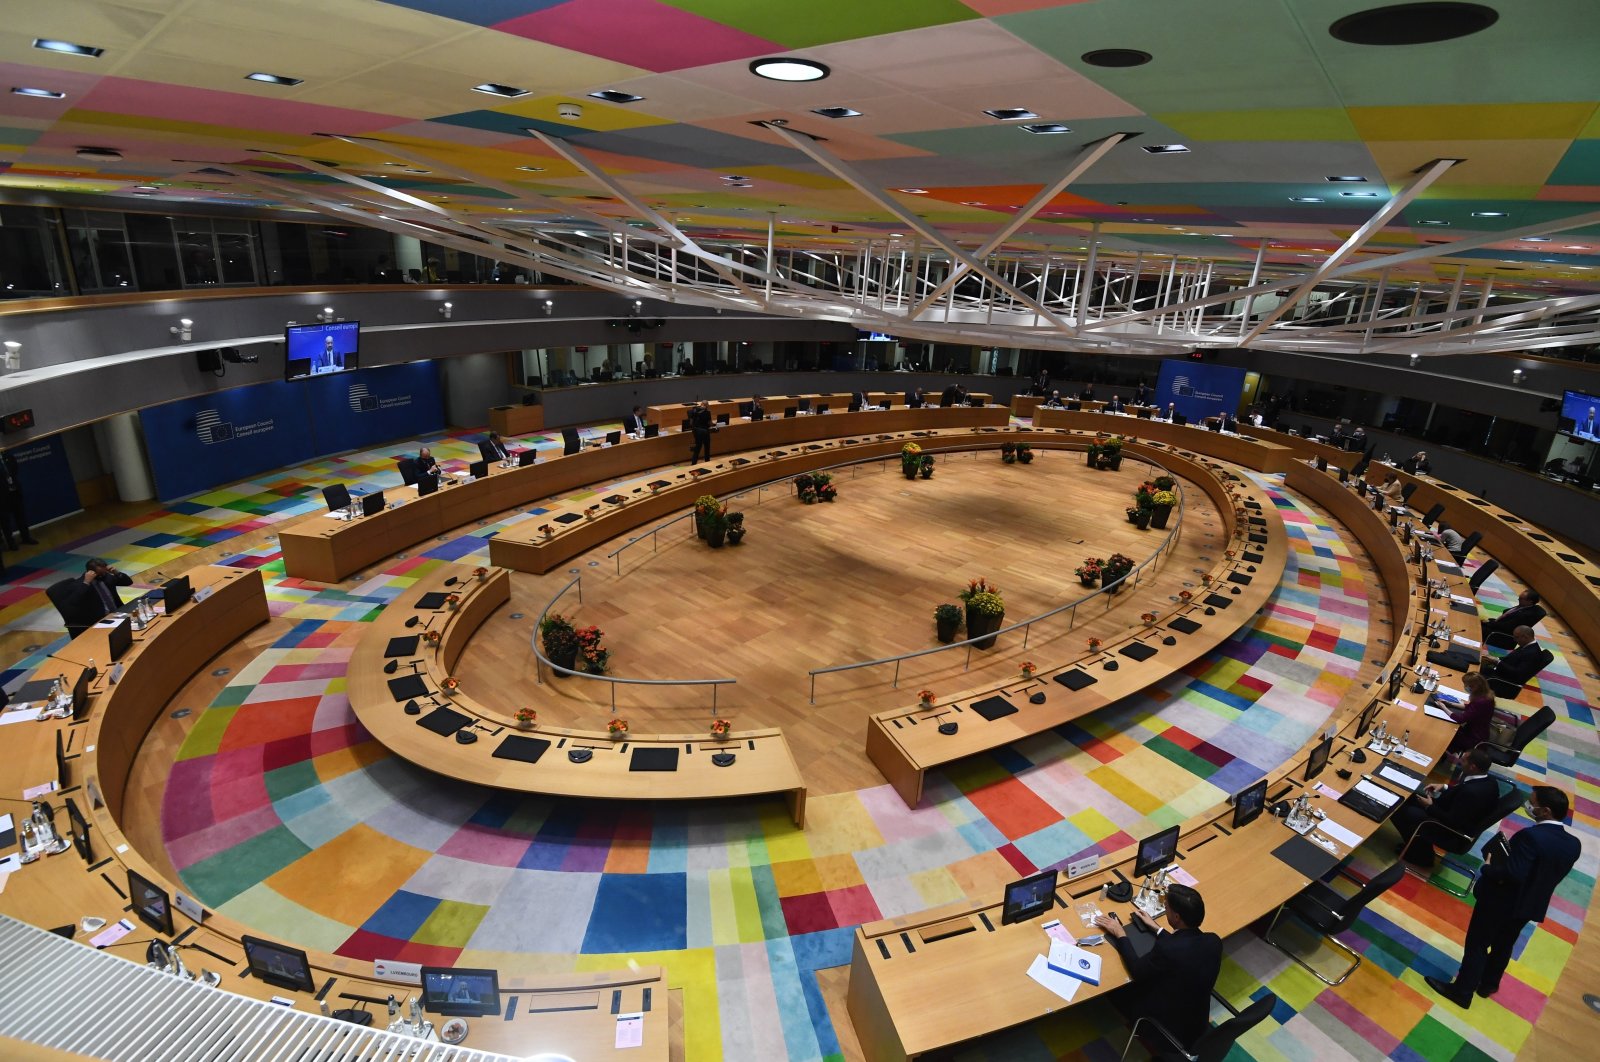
(568, 518)
(1307, 859)
(613, 499)
(1538, 537)
(1183, 625)
(522, 749)
(33, 690)
(1076, 679)
(653, 759)
(992, 708)
(1239, 577)
(402, 647)
(1218, 601)
(1258, 521)
(1137, 651)
(1458, 606)
(434, 600)
(1251, 503)
(407, 687)
(1254, 558)
(1262, 539)
(444, 721)
(1570, 558)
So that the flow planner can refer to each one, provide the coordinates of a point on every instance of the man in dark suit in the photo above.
(12, 517)
(1054, 401)
(1457, 806)
(1525, 613)
(757, 410)
(1141, 395)
(1518, 879)
(1522, 663)
(1115, 405)
(700, 425)
(426, 465)
(1172, 981)
(952, 396)
(92, 596)
(492, 449)
(1041, 383)
(914, 398)
(1087, 394)
(633, 423)
(858, 399)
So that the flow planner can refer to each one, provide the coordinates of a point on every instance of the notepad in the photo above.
(1377, 793)
(1348, 838)
(1462, 639)
(1418, 758)
(1404, 781)
(630, 1030)
(1433, 712)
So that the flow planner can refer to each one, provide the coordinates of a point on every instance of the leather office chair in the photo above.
(1215, 1043)
(1455, 842)
(1488, 568)
(337, 497)
(571, 442)
(1330, 913)
(1433, 514)
(1527, 730)
(1510, 685)
(408, 470)
(1467, 545)
(59, 594)
(1406, 492)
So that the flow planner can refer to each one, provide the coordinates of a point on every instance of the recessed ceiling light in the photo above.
(1046, 128)
(1489, 214)
(789, 69)
(1116, 57)
(531, 169)
(615, 96)
(67, 47)
(398, 165)
(1346, 180)
(1305, 199)
(1426, 23)
(274, 79)
(836, 112)
(43, 94)
(146, 187)
(733, 177)
(1359, 195)
(99, 154)
(971, 203)
(1011, 114)
(897, 235)
(913, 191)
(1434, 222)
(1164, 149)
(491, 89)
(1536, 239)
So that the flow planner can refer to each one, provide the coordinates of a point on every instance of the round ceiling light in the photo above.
(1116, 57)
(789, 69)
(1414, 23)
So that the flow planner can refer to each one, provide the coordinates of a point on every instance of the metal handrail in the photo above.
(1027, 624)
(613, 680)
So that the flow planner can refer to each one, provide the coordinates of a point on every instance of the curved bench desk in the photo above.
(905, 743)
(1261, 456)
(534, 761)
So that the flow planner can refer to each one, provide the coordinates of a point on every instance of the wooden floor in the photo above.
(819, 585)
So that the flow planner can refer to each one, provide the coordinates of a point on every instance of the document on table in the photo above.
(37, 791)
(1377, 792)
(1462, 639)
(112, 933)
(630, 1030)
(1438, 713)
(1056, 931)
(1421, 759)
(1461, 600)
(1348, 838)
(1183, 877)
(20, 715)
(1074, 961)
(1450, 693)
(1407, 705)
(1062, 985)
(1389, 774)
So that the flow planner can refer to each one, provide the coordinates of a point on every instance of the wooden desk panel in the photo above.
(516, 420)
(1261, 456)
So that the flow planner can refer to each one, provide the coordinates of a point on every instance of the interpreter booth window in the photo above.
(30, 264)
(220, 251)
(98, 241)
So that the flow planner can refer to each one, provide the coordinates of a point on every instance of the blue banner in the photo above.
(48, 489)
(1198, 389)
(360, 409)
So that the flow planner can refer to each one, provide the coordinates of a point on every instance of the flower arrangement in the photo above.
(805, 487)
(526, 717)
(720, 728)
(1008, 453)
(1164, 497)
(987, 604)
(431, 637)
(707, 503)
(1149, 618)
(593, 654)
(926, 698)
(1028, 668)
(451, 685)
(617, 728)
(827, 492)
(1205, 578)
(977, 586)
(1093, 644)
(1024, 453)
(1164, 483)
(1117, 569)
(546, 530)
(589, 513)
(481, 573)
(1144, 495)
(1185, 596)
(1091, 569)
(1228, 553)
(910, 459)
(451, 601)
(910, 449)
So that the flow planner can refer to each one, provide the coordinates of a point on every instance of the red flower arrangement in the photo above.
(720, 728)
(926, 697)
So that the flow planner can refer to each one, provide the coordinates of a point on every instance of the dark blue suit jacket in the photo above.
(1172, 981)
(1521, 882)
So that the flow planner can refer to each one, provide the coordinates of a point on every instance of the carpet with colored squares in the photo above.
(277, 790)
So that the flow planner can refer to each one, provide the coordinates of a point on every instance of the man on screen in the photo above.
(329, 360)
(1586, 426)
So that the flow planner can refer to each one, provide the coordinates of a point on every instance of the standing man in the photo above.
(1172, 981)
(700, 425)
(15, 520)
(1515, 888)
(1041, 383)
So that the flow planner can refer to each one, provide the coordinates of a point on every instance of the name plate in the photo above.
(405, 973)
(189, 907)
(204, 592)
(1086, 865)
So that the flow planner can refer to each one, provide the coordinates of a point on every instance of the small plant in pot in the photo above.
(926, 466)
(617, 729)
(1008, 453)
(1116, 569)
(986, 611)
(947, 621)
(716, 524)
(1024, 454)
(735, 528)
(1111, 455)
(526, 718)
(1090, 570)
(1161, 503)
(805, 488)
(910, 459)
(719, 729)
(560, 641)
(595, 655)
(704, 504)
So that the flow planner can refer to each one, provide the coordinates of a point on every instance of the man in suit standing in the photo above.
(633, 423)
(1172, 981)
(952, 396)
(1457, 806)
(493, 449)
(1525, 613)
(700, 425)
(1518, 879)
(15, 520)
(1041, 383)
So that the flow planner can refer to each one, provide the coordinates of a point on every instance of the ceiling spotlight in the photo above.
(1359, 195)
(615, 96)
(99, 154)
(789, 69)
(68, 48)
(1346, 180)
(836, 112)
(1415, 357)
(1433, 223)
(184, 329)
(1165, 149)
(1425, 23)
(444, 311)
(326, 315)
(531, 169)
(913, 191)
(274, 79)
(1489, 214)
(492, 89)
(39, 93)
(1536, 239)
(1047, 128)
(1116, 57)
(734, 177)
(1011, 114)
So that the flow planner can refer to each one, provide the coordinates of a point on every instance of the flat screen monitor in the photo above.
(460, 992)
(1318, 758)
(613, 438)
(1143, 413)
(653, 430)
(150, 902)
(478, 469)
(321, 349)
(63, 772)
(120, 638)
(278, 964)
(1156, 851)
(80, 831)
(745, 409)
(372, 503)
(805, 404)
(526, 458)
(1073, 405)
(1029, 898)
(1179, 418)
(175, 593)
(822, 407)
(759, 414)
(1397, 681)
(1248, 802)
(723, 419)
(1369, 715)
(912, 403)
(80, 694)
(976, 403)
(1580, 416)
(427, 485)
(887, 403)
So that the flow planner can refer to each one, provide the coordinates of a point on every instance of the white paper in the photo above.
(1348, 838)
(1073, 961)
(1460, 600)
(1378, 793)
(34, 792)
(1462, 639)
(1328, 791)
(1056, 931)
(1406, 705)
(1183, 877)
(1062, 985)
(1416, 757)
(630, 1030)
(1438, 713)
(1389, 774)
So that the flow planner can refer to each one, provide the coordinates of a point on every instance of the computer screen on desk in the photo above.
(372, 503)
(615, 437)
(80, 694)
(1156, 851)
(1248, 802)
(1318, 758)
(1029, 898)
(150, 902)
(278, 964)
(80, 831)
(63, 772)
(120, 638)
(460, 992)
(428, 484)
(175, 593)
(527, 457)
(652, 430)
(478, 469)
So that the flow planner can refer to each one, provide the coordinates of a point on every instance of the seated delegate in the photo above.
(1394, 492)
(1456, 807)
(1054, 401)
(1172, 981)
(1516, 668)
(493, 448)
(426, 465)
(1115, 405)
(1525, 613)
(633, 423)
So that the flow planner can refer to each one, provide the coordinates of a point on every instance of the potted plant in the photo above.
(591, 512)
(704, 504)
(1111, 455)
(546, 530)
(1090, 570)
(1143, 506)
(1164, 483)
(1093, 644)
(526, 717)
(1185, 596)
(1008, 453)
(926, 698)
(1028, 668)
(593, 653)
(616, 728)
(1161, 503)
(805, 488)
(431, 637)
(910, 459)
(481, 573)
(735, 528)
(452, 601)
(926, 466)
(1116, 569)
(946, 621)
(827, 492)
(719, 729)
(716, 524)
(986, 611)
(1024, 454)
(1148, 618)
(560, 641)
(451, 686)
(1092, 455)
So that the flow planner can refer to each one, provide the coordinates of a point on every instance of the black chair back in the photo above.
(1467, 545)
(1489, 567)
(408, 470)
(1215, 1043)
(571, 442)
(1532, 727)
(1379, 884)
(337, 496)
(1406, 491)
(1433, 514)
